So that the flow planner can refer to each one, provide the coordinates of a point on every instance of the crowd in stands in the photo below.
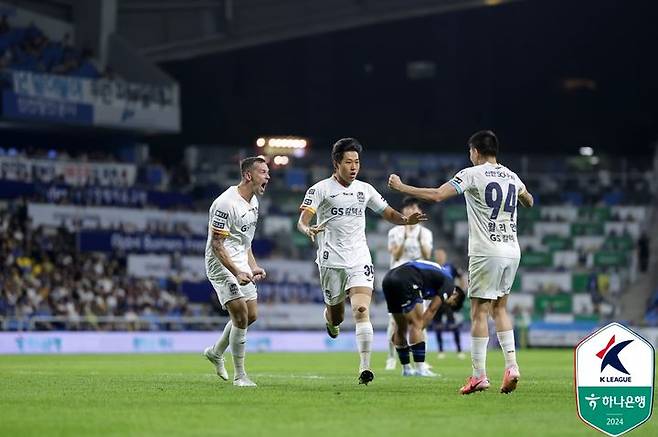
(43, 275)
(29, 49)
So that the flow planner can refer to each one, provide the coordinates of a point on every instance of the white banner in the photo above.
(192, 268)
(188, 342)
(73, 173)
(149, 266)
(115, 103)
(130, 219)
(101, 92)
(154, 118)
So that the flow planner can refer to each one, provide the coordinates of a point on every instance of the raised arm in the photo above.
(393, 216)
(439, 194)
(526, 199)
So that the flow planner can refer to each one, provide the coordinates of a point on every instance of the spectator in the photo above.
(643, 252)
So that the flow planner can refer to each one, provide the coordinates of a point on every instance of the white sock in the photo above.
(389, 334)
(420, 366)
(479, 355)
(364, 336)
(238, 339)
(506, 340)
(222, 343)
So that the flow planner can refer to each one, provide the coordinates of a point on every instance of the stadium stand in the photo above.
(579, 251)
(30, 49)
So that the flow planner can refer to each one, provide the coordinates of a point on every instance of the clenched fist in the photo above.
(394, 182)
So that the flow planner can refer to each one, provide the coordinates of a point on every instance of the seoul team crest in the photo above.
(614, 372)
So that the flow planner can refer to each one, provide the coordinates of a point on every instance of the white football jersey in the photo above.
(343, 212)
(234, 217)
(418, 235)
(491, 192)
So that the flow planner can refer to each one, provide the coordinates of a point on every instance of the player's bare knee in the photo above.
(240, 323)
(400, 339)
(240, 319)
(360, 313)
(498, 311)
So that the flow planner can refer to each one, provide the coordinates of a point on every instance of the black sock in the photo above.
(418, 351)
(403, 353)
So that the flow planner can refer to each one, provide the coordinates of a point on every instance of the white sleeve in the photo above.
(426, 238)
(312, 199)
(220, 218)
(462, 181)
(394, 238)
(376, 201)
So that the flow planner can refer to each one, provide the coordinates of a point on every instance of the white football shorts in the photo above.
(491, 277)
(336, 281)
(228, 289)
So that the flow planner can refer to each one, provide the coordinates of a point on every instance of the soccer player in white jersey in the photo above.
(343, 256)
(230, 264)
(491, 191)
(406, 243)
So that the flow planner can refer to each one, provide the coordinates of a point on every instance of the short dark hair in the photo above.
(247, 163)
(345, 145)
(485, 142)
(410, 201)
(461, 297)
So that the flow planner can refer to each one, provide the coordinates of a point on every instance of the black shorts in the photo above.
(402, 290)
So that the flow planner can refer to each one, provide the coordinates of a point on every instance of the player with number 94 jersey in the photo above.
(492, 192)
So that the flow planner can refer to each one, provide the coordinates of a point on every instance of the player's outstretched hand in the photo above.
(394, 182)
(313, 231)
(416, 217)
(244, 278)
(259, 273)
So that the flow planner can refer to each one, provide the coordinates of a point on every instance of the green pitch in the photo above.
(298, 394)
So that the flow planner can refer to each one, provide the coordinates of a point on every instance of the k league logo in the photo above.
(610, 357)
(614, 372)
